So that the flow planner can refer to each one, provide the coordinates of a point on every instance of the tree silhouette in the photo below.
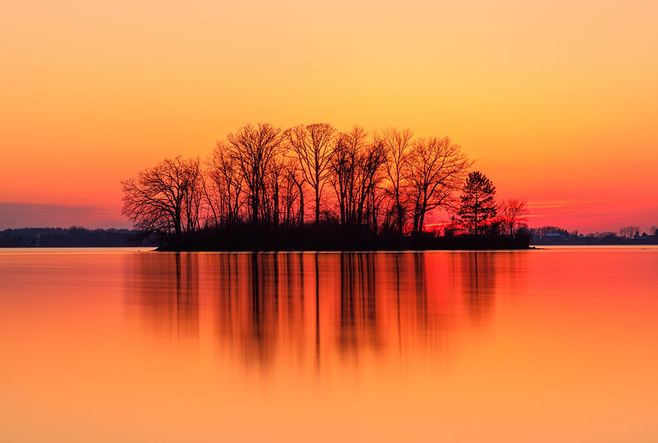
(225, 187)
(165, 199)
(253, 149)
(397, 145)
(435, 170)
(250, 192)
(629, 231)
(513, 211)
(355, 173)
(294, 175)
(478, 204)
(343, 173)
(274, 190)
(313, 145)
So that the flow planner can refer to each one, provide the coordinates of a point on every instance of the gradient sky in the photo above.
(557, 101)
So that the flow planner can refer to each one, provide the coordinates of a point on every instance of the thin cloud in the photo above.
(550, 204)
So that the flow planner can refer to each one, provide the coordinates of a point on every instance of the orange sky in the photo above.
(557, 101)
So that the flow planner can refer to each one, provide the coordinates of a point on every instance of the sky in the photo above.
(556, 101)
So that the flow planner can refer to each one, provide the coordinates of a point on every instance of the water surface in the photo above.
(535, 346)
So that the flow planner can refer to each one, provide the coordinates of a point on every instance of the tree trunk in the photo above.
(254, 211)
(421, 218)
(301, 205)
(177, 228)
(400, 213)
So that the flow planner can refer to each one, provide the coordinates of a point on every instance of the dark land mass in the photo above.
(72, 237)
(308, 238)
(551, 235)
(594, 241)
(336, 238)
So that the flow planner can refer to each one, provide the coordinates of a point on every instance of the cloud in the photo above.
(566, 204)
(24, 215)
(592, 215)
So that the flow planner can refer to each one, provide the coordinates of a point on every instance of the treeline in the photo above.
(628, 235)
(312, 184)
(70, 237)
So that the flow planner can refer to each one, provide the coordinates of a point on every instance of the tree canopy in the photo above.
(477, 202)
(375, 183)
(166, 199)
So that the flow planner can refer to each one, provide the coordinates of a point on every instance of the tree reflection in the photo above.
(479, 283)
(313, 309)
(164, 290)
(357, 323)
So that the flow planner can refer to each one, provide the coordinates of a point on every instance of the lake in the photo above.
(112, 345)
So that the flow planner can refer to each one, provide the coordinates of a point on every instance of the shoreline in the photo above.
(334, 242)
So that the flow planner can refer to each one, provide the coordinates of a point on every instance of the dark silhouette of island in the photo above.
(312, 187)
(629, 235)
(72, 237)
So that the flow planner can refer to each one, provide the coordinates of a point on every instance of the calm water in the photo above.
(529, 346)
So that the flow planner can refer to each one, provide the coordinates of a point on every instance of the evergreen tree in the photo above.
(478, 203)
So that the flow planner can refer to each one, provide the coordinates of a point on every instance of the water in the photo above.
(529, 346)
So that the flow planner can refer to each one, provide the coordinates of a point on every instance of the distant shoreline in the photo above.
(73, 237)
(300, 241)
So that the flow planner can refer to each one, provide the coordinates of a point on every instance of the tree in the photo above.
(513, 212)
(194, 197)
(434, 171)
(629, 231)
(296, 176)
(371, 161)
(253, 149)
(478, 203)
(226, 183)
(313, 145)
(343, 172)
(273, 190)
(653, 230)
(291, 193)
(397, 145)
(355, 167)
(165, 199)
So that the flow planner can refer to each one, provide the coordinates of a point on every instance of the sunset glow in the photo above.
(557, 102)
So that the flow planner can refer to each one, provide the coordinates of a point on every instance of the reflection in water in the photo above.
(479, 283)
(325, 347)
(357, 325)
(164, 289)
(313, 307)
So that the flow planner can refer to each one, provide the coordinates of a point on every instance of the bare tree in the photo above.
(291, 193)
(253, 149)
(397, 144)
(193, 201)
(165, 199)
(313, 146)
(369, 176)
(356, 171)
(629, 231)
(344, 165)
(653, 230)
(227, 183)
(296, 176)
(514, 213)
(274, 181)
(435, 170)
